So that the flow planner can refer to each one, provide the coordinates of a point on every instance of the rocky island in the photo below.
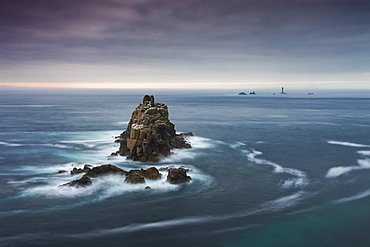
(150, 135)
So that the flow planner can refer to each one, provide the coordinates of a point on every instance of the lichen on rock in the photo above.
(150, 134)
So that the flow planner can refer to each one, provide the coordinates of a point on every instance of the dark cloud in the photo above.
(210, 32)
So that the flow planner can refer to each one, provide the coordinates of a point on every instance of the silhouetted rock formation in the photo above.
(150, 134)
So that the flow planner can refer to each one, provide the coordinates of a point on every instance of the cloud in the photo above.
(211, 35)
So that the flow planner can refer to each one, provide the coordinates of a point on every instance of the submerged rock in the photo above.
(177, 175)
(84, 181)
(150, 135)
(79, 170)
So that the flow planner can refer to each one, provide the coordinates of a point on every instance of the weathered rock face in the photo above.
(150, 134)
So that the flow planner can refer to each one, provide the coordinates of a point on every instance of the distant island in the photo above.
(250, 93)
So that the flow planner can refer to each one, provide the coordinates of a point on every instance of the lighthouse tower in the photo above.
(282, 91)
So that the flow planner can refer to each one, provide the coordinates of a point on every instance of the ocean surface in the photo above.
(267, 170)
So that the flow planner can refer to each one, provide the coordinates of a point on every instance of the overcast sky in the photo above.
(247, 44)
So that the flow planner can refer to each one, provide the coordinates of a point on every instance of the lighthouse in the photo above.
(282, 91)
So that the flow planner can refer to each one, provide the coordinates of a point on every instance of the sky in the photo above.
(185, 44)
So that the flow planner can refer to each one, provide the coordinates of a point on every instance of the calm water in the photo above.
(289, 170)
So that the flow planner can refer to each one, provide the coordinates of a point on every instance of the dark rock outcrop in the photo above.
(177, 175)
(79, 170)
(150, 173)
(132, 176)
(138, 176)
(84, 181)
(104, 170)
(150, 135)
(92, 173)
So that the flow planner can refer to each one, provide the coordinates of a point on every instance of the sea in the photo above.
(267, 170)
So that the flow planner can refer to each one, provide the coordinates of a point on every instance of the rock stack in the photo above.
(150, 135)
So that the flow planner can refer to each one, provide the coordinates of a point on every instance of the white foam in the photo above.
(103, 187)
(105, 140)
(50, 169)
(364, 152)
(260, 142)
(179, 155)
(293, 182)
(340, 170)
(197, 143)
(53, 145)
(200, 142)
(237, 145)
(349, 144)
(300, 178)
(355, 197)
(10, 144)
(284, 202)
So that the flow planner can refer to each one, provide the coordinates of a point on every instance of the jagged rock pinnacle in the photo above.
(150, 134)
